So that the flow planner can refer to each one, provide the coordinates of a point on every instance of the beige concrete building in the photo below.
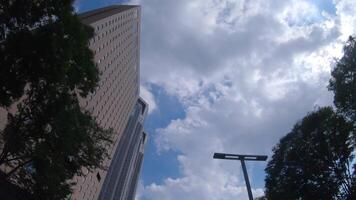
(116, 45)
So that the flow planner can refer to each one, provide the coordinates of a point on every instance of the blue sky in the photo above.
(228, 76)
(159, 166)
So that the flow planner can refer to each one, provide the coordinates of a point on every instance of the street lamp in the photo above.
(242, 158)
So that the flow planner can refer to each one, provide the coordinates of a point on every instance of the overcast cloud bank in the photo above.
(245, 72)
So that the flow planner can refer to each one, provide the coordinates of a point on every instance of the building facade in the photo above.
(115, 103)
(121, 179)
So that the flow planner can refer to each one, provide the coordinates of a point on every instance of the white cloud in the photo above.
(300, 13)
(245, 71)
(149, 98)
(346, 9)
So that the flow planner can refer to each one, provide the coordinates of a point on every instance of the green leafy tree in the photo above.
(46, 66)
(343, 84)
(312, 161)
(343, 81)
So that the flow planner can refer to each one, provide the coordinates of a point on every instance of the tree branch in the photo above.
(17, 158)
(17, 167)
(3, 156)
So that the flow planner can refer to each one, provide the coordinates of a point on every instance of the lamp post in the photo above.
(242, 158)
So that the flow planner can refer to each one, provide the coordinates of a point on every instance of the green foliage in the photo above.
(343, 81)
(54, 53)
(343, 84)
(52, 141)
(312, 161)
(46, 61)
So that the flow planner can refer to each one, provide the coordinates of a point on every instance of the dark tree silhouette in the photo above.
(343, 81)
(312, 161)
(46, 66)
(343, 84)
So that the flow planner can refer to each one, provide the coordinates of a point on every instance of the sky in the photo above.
(229, 76)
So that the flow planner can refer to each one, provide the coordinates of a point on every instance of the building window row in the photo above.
(120, 17)
(108, 103)
(114, 49)
(121, 42)
(111, 26)
(99, 35)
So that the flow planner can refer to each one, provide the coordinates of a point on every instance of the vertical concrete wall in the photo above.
(116, 46)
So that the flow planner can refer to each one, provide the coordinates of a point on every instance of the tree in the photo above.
(343, 81)
(313, 160)
(343, 84)
(45, 61)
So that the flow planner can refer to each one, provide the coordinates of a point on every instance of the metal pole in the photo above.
(248, 186)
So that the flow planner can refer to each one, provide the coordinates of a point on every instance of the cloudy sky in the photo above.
(229, 76)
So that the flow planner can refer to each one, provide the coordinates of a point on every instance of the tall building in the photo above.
(122, 176)
(115, 103)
